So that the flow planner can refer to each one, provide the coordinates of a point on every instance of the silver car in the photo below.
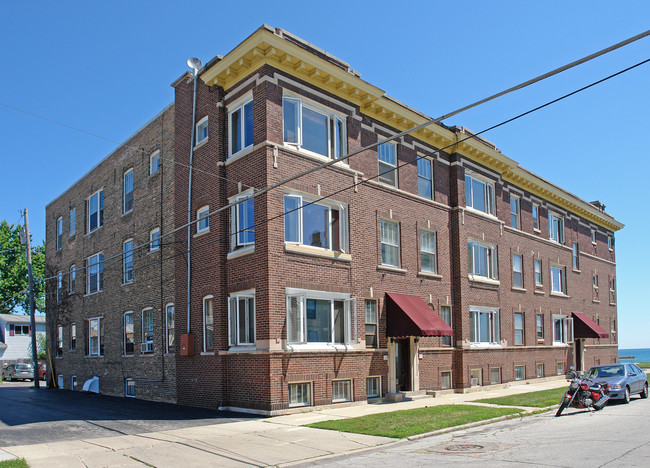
(18, 372)
(623, 379)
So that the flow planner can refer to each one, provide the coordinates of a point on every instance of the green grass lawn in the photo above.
(20, 463)
(405, 423)
(540, 399)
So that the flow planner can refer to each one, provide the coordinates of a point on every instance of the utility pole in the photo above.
(31, 301)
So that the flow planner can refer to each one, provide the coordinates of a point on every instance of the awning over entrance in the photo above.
(408, 315)
(584, 327)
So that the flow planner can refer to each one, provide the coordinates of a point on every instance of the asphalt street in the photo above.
(616, 436)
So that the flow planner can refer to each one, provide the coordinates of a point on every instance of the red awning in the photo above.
(584, 327)
(408, 315)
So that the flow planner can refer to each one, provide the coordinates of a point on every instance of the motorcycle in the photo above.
(583, 393)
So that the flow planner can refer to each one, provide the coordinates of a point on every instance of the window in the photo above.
(95, 337)
(595, 287)
(242, 224)
(314, 317)
(147, 331)
(208, 324)
(128, 191)
(129, 335)
(538, 272)
(539, 326)
(18, 330)
(241, 128)
(300, 394)
(556, 228)
(373, 387)
(519, 328)
(562, 329)
(517, 271)
(203, 221)
(520, 372)
(612, 290)
(313, 129)
(59, 233)
(445, 314)
(576, 259)
(540, 371)
(515, 212)
(322, 225)
(127, 261)
(73, 279)
(535, 216)
(241, 314)
(95, 211)
(59, 286)
(558, 275)
(482, 259)
(596, 362)
(59, 341)
(390, 243)
(479, 194)
(202, 130)
(341, 391)
(445, 380)
(372, 324)
(154, 240)
(387, 158)
(73, 222)
(612, 326)
(425, 177)
(73, 337)
(428, 261)
(484, 326)
(609, 242)
(560, 368)
(73, 383)
(495, 375)
(593, 236)
(476, 377)
(154, 162)
(130, 388)
(169, 320)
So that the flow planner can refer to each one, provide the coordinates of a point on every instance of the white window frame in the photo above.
(377, 379)
(390, 244)
(342, 391)
(99, 282)
(556, 227)
(301, 296)
(609, 242)
(518, 283)
(487, 192)
(491, 260)
(560, 368)
(124, 332)
(237, 231)
(492, 314)
(297, 216)
(495, 380)
(387, 170)
(523, 372)
(336, 127)
(127, 261)
(129, 388)
(425, 252)
(241, 108)
(72, 227)
(59, 340)
(535, 215)
(148, 334)
(126, 191)
(593, 236)
(235, 316)
(59, 233)
(202, 217)
(539, 370)
(538, 272)
(515, 216)
(154, 240)
(202, 131)
(369, 322)
(59, 286)
(154, 162)
(98, 352)
(421, 177)
(307, 392)
(170, 347)
(558, 287)
(99, 194)
(565, 335)
(539, 326)
(206, 326)
(519, 332)
(575, 257)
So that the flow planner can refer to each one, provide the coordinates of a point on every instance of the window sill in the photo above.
(483, 214)
(93, 357)
(207, 353)
(595, 301)
(201, 143)
(298, 347)
(127, 283)
(539, 293)
(93, 293)
(146, 354)
(484, 345)
(242, 349)
(537, 231)
(201, 233)
(428, 274)
(312, 155)
(317, 252)
(128, 355)
(520, 290)
(560, 345)
(153, 251)
(127, 213)
(249, 249)
(391, 269)
(93, 231)
(612, 303)
(557, 294)
(575, 270)
(240, 154)
(481, 279)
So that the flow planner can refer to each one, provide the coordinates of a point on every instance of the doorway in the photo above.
(580, 350)
(403, 364)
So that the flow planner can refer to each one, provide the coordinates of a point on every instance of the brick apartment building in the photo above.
(433, 262)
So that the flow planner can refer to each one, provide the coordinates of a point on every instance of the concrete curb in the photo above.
(5, 456)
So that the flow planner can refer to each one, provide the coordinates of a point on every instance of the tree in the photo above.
(14, 292)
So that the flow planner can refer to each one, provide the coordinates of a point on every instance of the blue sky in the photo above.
(106, 68)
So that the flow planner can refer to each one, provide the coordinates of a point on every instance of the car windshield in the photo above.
(605, 372)
(23, 367)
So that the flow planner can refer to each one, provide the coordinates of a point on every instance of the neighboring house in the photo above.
(16, 336)
(430, 263)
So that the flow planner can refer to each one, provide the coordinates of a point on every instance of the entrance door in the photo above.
(403, 364)
(580, 348)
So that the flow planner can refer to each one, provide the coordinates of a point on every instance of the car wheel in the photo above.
(626, 395)
(644, 392)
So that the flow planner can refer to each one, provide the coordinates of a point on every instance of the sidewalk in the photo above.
(258, 442)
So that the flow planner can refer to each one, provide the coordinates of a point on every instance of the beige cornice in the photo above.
(268, 46)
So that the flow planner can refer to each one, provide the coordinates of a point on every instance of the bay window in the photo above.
(322, 225)
(318, 317)
(241, 315)
(483, 326)
(242, 224)
(241, 128)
